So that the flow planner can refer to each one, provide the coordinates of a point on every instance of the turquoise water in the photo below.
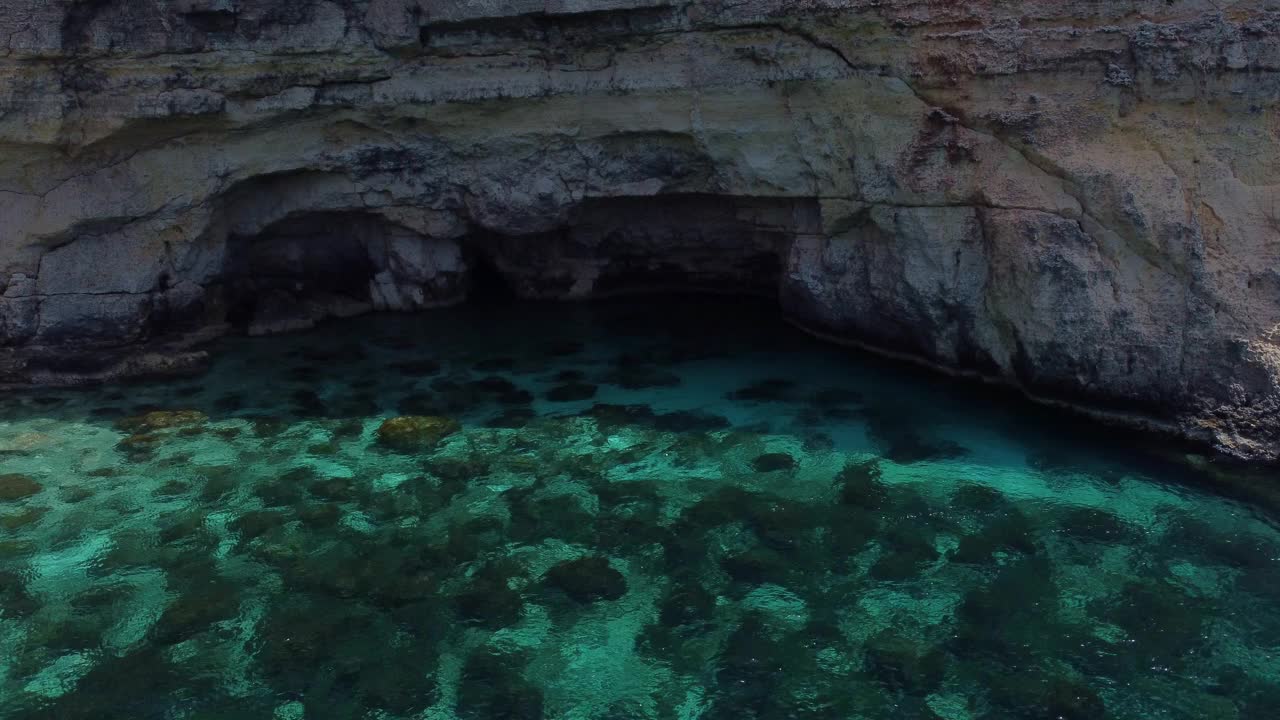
(649, 510)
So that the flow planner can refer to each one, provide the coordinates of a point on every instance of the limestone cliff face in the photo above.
(1078, 198)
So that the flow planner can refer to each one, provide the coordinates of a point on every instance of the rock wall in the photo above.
(1081, 199)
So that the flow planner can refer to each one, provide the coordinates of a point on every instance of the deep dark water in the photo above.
(639, 510)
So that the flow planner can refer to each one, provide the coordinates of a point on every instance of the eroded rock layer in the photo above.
(1076, 198)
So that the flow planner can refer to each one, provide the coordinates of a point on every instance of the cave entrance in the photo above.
(671, 244)
(294, 271)
(299, 270)
(488, 286)
(313, 266)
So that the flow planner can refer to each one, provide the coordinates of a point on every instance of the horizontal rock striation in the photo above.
(1079, 199)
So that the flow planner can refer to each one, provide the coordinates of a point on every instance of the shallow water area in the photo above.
(657, 509)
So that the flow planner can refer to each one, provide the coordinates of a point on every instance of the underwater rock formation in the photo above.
(1075, 199)
(16, 487)
(588, 580)
(414, 432)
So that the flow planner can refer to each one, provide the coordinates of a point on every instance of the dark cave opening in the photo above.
(667, 244)
(289, 273)
(487, 286)
(299, 268)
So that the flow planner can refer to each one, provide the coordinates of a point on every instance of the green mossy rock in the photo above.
(411, 433)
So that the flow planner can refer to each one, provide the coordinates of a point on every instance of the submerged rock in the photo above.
(196, 609)
(535, 519)
(1095, 525)
(455, 470)
(773, 462)
(784, 524)
(172, 488)
(1010, 532)
(412, 433)
(472, 538)
(1034, 693)
(14, 550)
(268, 427)
(15, 486)
(905, 665)
(139, 446)
(727, 504)
(752, 670)
(219, 481)
(849, 532)
(902, 442)
(859, 484)
(904, 563)
(1164, 623)
(257, 522)
(343, 658)
(334, 488)
(492, 687)
(141, 682)
(489, 600)
(1014, 620)
(758, 566)
(160, 420)
(15, 600)
(1240, 550)
(688, 603)
(23, 518)
(978, 498)
(588, 579)
(384, 570)
(286, 489)
(318, 516)
(609, 417)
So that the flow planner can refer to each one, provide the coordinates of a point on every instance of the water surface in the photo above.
(641, 510)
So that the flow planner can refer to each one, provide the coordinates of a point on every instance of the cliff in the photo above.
(1080, 199)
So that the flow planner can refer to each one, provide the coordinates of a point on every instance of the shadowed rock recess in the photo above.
(1079, 199)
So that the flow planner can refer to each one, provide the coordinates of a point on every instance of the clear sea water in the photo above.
(634, 510)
